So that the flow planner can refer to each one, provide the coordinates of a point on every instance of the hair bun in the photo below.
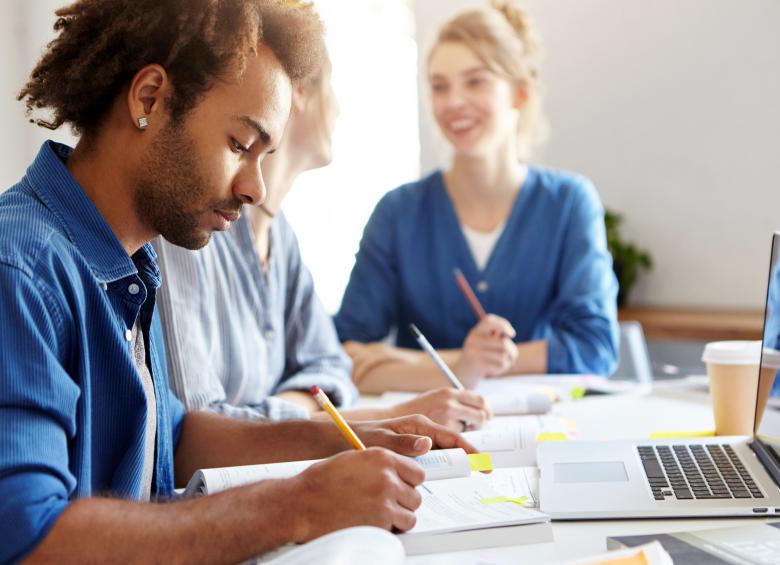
(522, 23)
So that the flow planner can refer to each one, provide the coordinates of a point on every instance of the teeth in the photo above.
(458, 125)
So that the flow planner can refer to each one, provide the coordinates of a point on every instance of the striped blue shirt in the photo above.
(72, 405)
(549, 274)
(237, 334)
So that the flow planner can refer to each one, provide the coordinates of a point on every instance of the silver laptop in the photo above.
(717, 476)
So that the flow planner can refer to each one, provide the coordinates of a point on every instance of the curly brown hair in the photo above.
(101, 44)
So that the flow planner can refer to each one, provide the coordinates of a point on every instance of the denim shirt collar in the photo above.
(86, 228)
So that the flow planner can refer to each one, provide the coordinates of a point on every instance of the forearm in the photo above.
(531, 358)
(228, 527)
(209, 440)
(300, 398)
(359, 414)
(355, 414)
(416, 372)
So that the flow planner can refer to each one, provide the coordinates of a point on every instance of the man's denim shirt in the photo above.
(72, 405)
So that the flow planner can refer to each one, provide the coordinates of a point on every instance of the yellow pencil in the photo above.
(325, 403)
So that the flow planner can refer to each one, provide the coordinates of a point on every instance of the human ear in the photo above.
(146, 96)
(300, 99)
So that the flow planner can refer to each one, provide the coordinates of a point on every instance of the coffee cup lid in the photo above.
(732, 352)
(770, 358)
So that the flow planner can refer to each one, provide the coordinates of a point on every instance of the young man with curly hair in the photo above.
(176, 103)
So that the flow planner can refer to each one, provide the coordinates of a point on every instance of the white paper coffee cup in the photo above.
(732, 367)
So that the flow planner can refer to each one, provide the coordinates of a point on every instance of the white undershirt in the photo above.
(482, 243)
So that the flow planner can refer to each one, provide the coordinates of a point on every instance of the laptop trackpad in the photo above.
(597, 472)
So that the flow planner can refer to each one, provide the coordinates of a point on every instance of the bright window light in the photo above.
(376, 142)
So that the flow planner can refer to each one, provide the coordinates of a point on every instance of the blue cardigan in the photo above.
(550, 273)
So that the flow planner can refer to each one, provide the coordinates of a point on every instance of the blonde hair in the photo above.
(505, 39)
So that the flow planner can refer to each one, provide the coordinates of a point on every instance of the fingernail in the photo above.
(421, 444)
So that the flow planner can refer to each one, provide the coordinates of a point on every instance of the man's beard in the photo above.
(171, 190)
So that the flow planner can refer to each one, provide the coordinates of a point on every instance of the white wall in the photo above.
(25, 28)
(672, 107)
(375, 142)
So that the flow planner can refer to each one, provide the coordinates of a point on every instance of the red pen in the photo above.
(472, 299)
(465, 288)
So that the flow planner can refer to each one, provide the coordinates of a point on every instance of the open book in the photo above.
(461, 509)
(512, 440)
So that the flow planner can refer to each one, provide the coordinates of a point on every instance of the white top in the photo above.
(482, 243)
(150, 437)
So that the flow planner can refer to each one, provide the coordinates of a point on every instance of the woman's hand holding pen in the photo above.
(447, 406)
(488, 350)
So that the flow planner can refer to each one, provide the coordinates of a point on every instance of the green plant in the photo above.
(627, 259)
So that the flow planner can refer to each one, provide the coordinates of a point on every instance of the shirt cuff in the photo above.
(30, 504)
(273, 409)
(340, 390)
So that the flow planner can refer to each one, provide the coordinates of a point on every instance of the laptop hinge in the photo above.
(767, 459)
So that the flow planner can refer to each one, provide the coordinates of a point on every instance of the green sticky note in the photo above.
(480, 462)
(551, 436)
(519, 500)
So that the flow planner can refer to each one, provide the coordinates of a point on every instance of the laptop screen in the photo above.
(768, 398)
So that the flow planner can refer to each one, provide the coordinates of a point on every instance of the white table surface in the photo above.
(669, 406)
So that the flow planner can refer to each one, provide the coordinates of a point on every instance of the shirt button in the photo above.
(104, 285)
(133, 289)
(129, 335)
(482, 286)
(269, 334)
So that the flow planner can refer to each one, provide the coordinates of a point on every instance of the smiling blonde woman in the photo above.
(530, 240)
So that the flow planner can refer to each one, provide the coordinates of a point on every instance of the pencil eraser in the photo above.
(315, 389)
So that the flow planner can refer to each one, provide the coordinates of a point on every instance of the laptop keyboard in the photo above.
(688, 472)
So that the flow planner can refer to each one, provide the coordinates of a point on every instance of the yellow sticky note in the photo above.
(551, 436)
(674, 435)
(480, 462)
(519, 500)
(577, 392)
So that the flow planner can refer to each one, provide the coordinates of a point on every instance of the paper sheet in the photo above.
(512, 440)
(514, 400)
(456, 504)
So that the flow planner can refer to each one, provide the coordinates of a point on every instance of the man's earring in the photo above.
(143, 122)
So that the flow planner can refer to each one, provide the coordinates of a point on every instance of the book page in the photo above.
(210, 481)
(438, 464)
(444, 464)
(519, 402)
(470, 503)
(517, 483)
(350, 546)
(512, 440)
